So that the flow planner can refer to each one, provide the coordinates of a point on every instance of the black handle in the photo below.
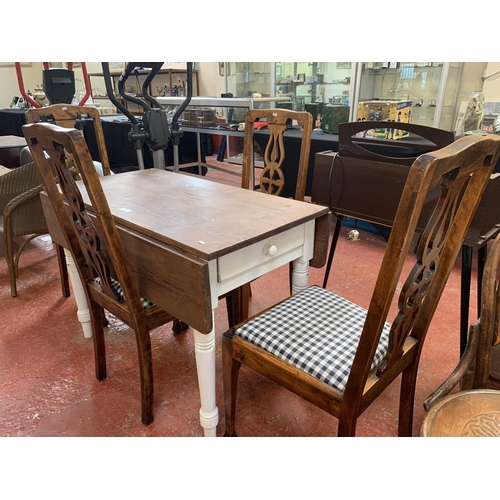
(183, 106)
(111, 94)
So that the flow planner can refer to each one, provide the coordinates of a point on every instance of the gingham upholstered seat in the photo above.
(146, 304)
(316, 331)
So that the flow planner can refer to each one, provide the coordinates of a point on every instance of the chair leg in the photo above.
(407, 399)
(481, 261)
(63, 271)
(232, 302)
(21, 248)
(246, 293)
(146, 372)
(97, 316)
(230, 371)
(237, 304)
(13, 265)
(347, 426)
(179, 326)
(465, 295)
(12, 275)
(333, 246)
(9, 257)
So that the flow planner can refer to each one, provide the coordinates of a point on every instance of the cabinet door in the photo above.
(432, 88)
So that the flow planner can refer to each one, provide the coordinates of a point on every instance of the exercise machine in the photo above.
(58, 84)
(153, 127)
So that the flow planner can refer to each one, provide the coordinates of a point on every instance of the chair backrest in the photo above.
(272, 177)
(94, 241)
(462, 171)
(69, 116)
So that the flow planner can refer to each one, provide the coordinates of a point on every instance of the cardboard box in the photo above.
(396, 111)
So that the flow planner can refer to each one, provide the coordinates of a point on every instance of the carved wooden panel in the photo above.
(88, 236)
(272, 179)
(423, 272)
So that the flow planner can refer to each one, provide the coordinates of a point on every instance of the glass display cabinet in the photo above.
(323, 89)
(249, 79)
(332, 91)
(314, 82)
(301, 82)
(431, 87)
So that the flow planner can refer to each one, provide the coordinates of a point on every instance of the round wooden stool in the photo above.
(474, 413)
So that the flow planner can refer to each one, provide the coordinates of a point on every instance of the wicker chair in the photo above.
(21, 214)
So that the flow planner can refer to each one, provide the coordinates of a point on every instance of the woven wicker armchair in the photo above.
(21, 214)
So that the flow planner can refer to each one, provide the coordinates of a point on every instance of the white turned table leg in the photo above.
(204, 348)
(300, 275)
(80, 297)
(300, 270)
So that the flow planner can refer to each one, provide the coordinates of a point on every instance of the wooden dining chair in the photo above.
(340, 356)
(475, 409)
(98, 251)
(273, 176)
(72, 116)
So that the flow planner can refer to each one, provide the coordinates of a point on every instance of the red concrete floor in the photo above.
(47, 383)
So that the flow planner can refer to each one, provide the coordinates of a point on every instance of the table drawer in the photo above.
(262, 253)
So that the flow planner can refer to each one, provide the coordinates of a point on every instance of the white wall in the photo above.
(211, 83)
(9, 87)
(491, 86)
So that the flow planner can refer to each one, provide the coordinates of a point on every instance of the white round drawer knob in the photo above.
(270, 250)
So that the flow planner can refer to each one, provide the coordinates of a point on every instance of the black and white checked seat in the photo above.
(146, 304)
(316, 331)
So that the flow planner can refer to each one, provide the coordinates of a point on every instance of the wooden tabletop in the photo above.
(205, 218)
